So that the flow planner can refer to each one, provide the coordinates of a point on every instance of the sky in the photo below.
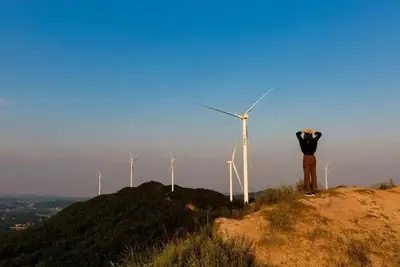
(83, 83)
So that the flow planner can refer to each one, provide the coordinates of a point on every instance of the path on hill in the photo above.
(345, 226)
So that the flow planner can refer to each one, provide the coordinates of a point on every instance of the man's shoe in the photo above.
(309, 194)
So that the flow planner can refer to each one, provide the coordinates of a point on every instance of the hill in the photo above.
(339, 227)
(95, 232)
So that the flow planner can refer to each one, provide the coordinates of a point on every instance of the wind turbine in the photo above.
(99, 179)
(132, 162)
(171, 170)
(326, 175)
(244, 118)
(232, 164)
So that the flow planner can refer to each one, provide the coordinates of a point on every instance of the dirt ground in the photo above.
(341, 227)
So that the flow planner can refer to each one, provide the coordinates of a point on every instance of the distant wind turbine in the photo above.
(244, 118)
(171, 170)
(99, 180)
(232, 164)
(132, 163)
(326, 175)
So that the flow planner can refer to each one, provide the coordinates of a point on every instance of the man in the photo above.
(308, 145)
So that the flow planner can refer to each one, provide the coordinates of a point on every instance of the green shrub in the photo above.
(385, 185)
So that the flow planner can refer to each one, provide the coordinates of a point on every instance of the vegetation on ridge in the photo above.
(205, 248)
(95, 232)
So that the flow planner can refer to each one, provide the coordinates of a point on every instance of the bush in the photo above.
(385, 185)
(205, 248)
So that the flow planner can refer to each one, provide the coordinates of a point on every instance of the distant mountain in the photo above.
(41, 197)
(96, 231)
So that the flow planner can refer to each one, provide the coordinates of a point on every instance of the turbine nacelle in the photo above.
(133, 159)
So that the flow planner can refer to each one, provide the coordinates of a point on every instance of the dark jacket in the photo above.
(308, 146)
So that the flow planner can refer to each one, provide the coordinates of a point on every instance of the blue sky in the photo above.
(82, 83)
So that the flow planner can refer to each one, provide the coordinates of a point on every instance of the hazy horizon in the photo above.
(82, 84)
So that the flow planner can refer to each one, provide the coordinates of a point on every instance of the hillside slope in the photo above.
(95, 232)
(343, 227)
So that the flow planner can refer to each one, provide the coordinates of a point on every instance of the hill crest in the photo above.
(96, 231)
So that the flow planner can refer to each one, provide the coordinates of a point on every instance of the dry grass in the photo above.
(271, 196)
(364, 191)
(316, 233)
(284, 216)
(332, 192)
(357, 252)
(197, 250)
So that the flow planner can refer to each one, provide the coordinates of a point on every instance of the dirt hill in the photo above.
(341, 227)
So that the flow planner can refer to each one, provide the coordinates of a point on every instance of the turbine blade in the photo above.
(130, 156)
(218, 110)
(237, 175)
(172, 156)
(170, 169)
(255, 103)
(327, 165)
(329, 172)
(234, 151)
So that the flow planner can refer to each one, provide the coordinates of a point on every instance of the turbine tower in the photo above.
(326, 175)
(244, 118)
(232, 164)
(171, 170)
(132, 163)
(99, 179)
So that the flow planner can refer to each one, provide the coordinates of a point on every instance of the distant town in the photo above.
(18, 212)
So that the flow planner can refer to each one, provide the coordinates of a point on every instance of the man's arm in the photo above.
(317, 135)
(298, 134)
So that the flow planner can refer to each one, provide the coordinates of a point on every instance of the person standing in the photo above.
(308, 145)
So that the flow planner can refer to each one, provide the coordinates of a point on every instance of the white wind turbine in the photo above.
(232, 164)
(132, 161)
(244, 118)
(171, 170)
(99, 180)
(326, 175)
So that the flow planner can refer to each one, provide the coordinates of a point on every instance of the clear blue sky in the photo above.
(82, 83)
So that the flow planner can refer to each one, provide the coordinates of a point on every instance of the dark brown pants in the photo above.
(310, 173)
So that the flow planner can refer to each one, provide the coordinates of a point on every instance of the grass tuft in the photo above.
(357, 252)
(317, 233)
(284, 216)
(285, 193)
(365, 191)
